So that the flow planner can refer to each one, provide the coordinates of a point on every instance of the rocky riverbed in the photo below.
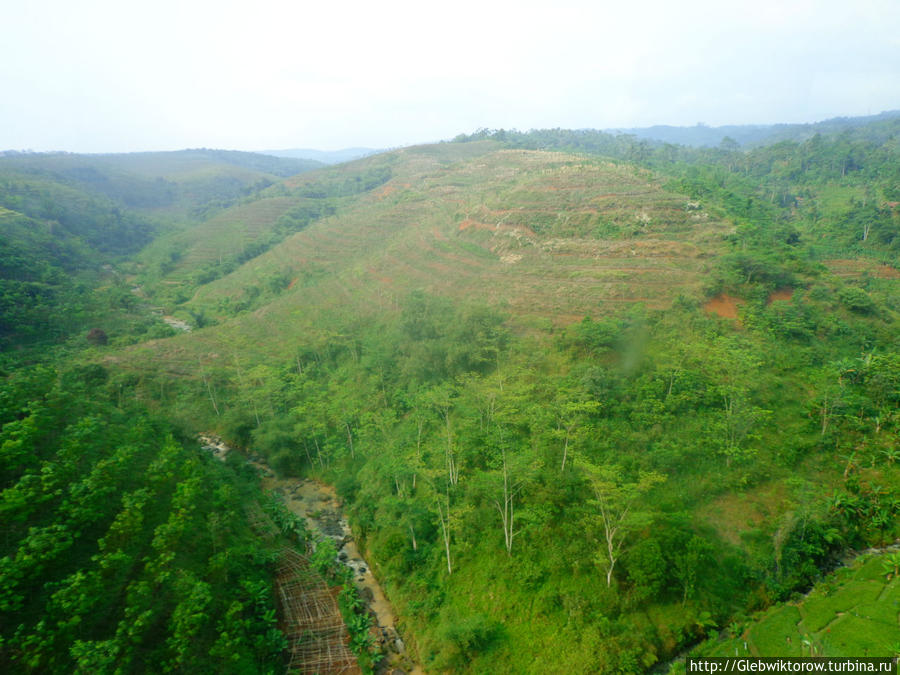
(319, 505)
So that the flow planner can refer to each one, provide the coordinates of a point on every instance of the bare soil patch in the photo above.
(886, 272)
(378, 276)
(850, 267)
(387, 191)
(724, 305)
(733, 514)
(780, 294)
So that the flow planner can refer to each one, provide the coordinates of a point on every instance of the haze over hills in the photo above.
(324, 156)
(751, 135)
(157, 181)
(545, 239)
(450, 380)
(177, 162)
(589, 401)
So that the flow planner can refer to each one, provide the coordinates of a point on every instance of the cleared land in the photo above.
(548, 236)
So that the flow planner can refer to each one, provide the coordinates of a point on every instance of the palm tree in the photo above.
(851, 462)
(880, 518)
(891, 565)
(891, 454)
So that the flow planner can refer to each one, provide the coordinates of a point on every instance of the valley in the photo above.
(320, 508)
(583, 402)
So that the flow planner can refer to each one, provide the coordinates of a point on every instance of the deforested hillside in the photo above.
(546, 234)
(551, 237)
(587, 402)
(583, 411)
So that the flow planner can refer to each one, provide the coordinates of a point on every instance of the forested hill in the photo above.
(324, 156)
(157, 180)
(586, 399)
(755, 135)
(64, 216)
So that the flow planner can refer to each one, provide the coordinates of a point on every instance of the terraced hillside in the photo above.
(224, 236)
(855, 610)
(549, 236)
(412, 328)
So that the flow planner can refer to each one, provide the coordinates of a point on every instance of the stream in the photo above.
(320, 507)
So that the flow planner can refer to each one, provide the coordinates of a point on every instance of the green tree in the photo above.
(618, 505)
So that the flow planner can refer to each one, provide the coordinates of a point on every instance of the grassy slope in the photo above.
(472, 221)
(223, 235)
(514, 227)
(855, 611)
(551, 237)
(66, 218)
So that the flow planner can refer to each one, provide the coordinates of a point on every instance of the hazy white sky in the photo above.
(123, 75)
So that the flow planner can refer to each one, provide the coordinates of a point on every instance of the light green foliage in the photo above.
(444, 462)
(852, 612)
(857, 299)
(412, 328)
(615, 500)
(465, 637)
(779, 634)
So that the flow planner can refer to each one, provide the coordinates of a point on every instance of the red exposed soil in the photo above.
(886, 272)
(724, 305)
(844, 267)
(780, 294)
(383, 279)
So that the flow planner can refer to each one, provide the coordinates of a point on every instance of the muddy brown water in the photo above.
(320, 507)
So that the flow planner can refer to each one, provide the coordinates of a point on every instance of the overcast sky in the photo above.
(123, 75)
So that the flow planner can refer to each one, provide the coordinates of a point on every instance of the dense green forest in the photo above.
(124, 547)
(589, 401)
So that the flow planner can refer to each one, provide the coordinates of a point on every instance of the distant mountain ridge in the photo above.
(324, 156)
(176, 181)
(162, 162)
(750, 135)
